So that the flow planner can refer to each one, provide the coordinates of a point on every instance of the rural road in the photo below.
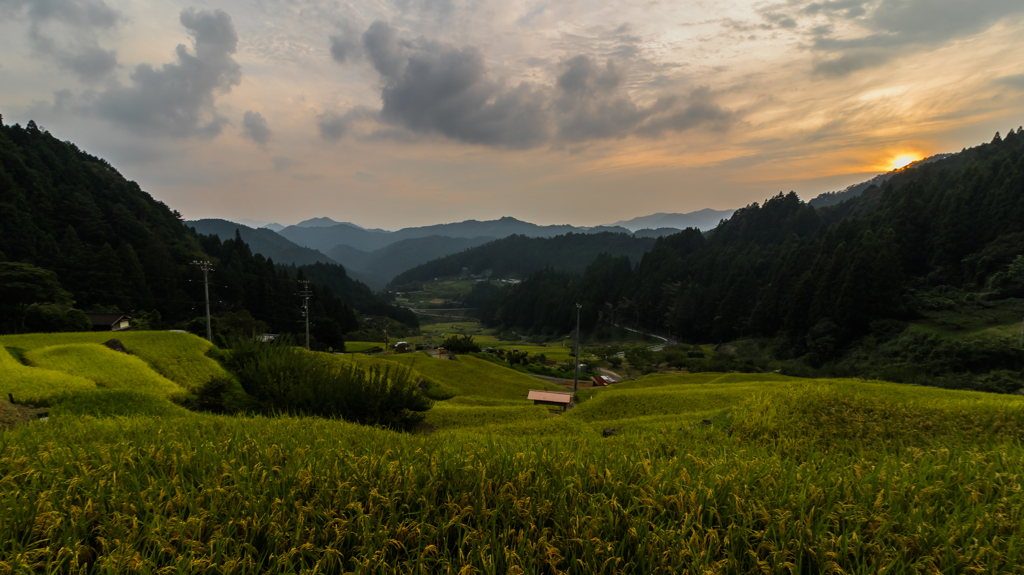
(668, 340)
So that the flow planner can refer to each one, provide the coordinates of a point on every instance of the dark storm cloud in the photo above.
(75, 47)
(897, 27)
(254, 127)
(178, 99)
(432, 88)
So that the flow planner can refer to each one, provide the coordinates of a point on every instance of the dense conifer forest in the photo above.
(518, 256)
(815, 280)
(76, 235)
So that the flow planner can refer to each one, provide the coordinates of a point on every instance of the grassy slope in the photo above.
(35, 385)
(107, 368)
(358, 346)
(180, 357)
(819, 474)
(469, 376)
(999, 320)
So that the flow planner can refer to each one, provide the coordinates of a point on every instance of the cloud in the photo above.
(345, 45)
(334, 126)
(281, 163)
(445, 90)
(430, 88)
(385, 49)
(178, 99)
(1014, 81)
(255, 127)
(897, 27)
(588, 107)
(592, 105)
(853, 60)
(780, 20)
(75, 46)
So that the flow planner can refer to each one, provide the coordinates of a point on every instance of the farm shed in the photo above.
(557, 398)
(109, 321)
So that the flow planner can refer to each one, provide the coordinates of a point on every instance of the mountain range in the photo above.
(703, 220)
(375, 256)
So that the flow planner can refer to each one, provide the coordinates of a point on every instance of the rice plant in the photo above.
(107, 368)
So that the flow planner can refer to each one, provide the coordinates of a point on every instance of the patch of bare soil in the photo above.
(12, 414)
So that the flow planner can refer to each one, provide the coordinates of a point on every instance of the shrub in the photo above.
(464, 344)
(286, 378)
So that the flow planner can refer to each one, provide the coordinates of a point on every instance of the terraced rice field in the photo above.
(790, 476)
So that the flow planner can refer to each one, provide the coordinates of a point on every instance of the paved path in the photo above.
(611, 375)
(658, 347)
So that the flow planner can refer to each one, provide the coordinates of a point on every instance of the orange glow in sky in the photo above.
(902, 161)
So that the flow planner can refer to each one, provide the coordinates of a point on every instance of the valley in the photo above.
(852, 370)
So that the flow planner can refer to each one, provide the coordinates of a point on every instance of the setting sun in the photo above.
(903, 161)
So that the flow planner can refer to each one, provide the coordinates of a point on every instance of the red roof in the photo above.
(552, 396)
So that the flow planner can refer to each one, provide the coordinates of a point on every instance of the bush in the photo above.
(285, 378)
(464, 344)
(55, 317)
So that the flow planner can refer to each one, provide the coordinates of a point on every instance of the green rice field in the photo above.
(698, 473)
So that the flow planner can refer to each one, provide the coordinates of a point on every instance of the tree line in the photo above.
(815, 278)
(110, 246)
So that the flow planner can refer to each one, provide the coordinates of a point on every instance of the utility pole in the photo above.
(576, 379)
(1022, 334)
(207, 267)
(305, 293)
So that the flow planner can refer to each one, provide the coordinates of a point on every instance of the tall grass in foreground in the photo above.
(811, 480)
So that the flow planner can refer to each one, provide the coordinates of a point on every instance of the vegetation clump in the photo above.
(287, 379)
(460, 344)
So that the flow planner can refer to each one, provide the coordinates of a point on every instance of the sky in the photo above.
(396, 113)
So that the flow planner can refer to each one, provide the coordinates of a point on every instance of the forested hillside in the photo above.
(261, 241)
(381, 265)
(820, 278)
(73, 231)
(519, 256)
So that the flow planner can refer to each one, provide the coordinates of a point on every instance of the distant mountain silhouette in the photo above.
(519, 256)
(328, 222)
(326, 238)
(261, 241)
(658, 233)
(377, 268)
(703, 220)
